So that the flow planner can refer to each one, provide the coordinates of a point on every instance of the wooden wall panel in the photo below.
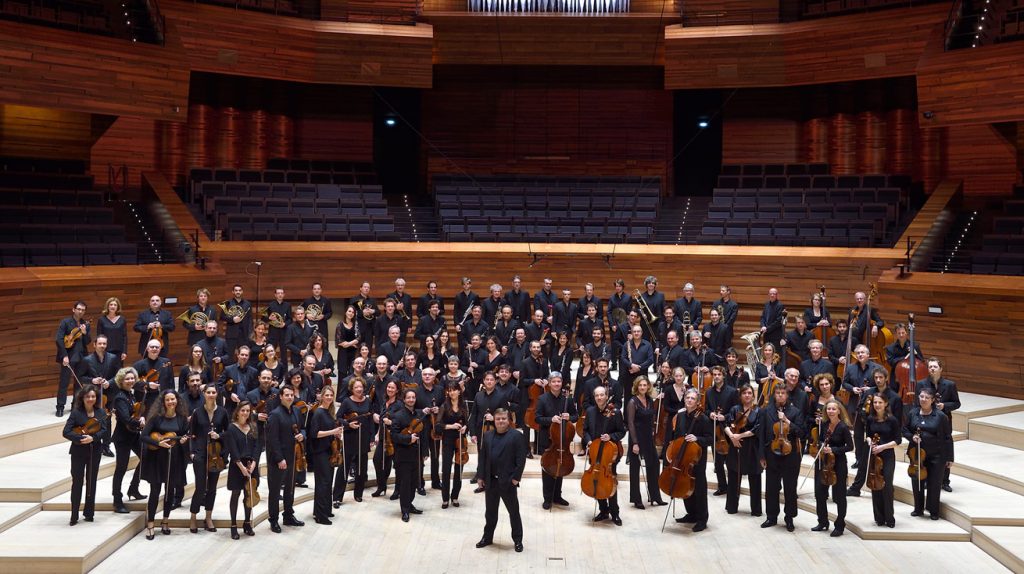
(980, 156)
(130, 141)
(760, 140)
(635, 6)
(879, 44)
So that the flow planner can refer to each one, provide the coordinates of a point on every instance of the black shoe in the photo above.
(275, 527)
(601, 517)
(917, 513)
(891, 524)
(546, 505)
(444, 505)
(934, 516)
(292, 521)
(638, 505)
(301, 485)
(234, 533)
(561, 501)
(756, 514)
(789, 525)
(357, 498)
(700, 526)
(330, 515)
(414, 510)
(528, 455)
(435, 486)
(88, 519)
(421, 491)
(119, 507)
(378, 492)
(519, 546)
(405, 517)
(686, 519)
(659, 503)
(854, 492)
(718, 492)
(324, 521)
(822, 526)
(60, 412)
(947, 488)
(337, 504)
(164, 529)
(837, 532)
(731, 511)
(394, 496)
(73, 521)
(478, 490)
(107, 451)
(768, 523)
(616, 520)
(150, 533)
(134, 494)
(247, 529)
(855, 465)
(455, 503)
(483, 543)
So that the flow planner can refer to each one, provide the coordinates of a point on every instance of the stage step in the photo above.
(999, 466)
(42, 473)
(1004, 430)
(973, 405)
(11, 513)
(29, 425)
(44, 542)
(971, 504)
(1004, 543)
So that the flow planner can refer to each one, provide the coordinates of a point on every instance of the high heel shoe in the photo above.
(379, 492)
(455, 503)
(134, 494)
(150, 534)
(234, 532)
(209, 527)
(247, 529)
(192, 525)
(164, 529)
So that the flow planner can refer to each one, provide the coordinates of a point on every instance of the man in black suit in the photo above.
(281, 438)
(501, 463)
(70, 357)
(147, 323)
(100, 368)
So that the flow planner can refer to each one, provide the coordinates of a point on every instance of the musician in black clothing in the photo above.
(655, 299)
(367, 308)
(264, 399)
(532, 371)
(900, 349)
(403, 301)
(589, 325)
(69, 357)
(773, 323)
(206, 425)
(636, 358)
(667, 324)
(500, 467)
(487, 400)
(859, 328)
(100, 369)
(237, 318)
(716, 334)
(597, 348)
(215, 350)
(243, 444)
(85, 448)
(155, 371)
(587, 299)
(505, 328)
(355, 415)
(698, 357)
(834, 430)
(837, 344)
(928, 431)
(621, 301)
(797, 341)
(112, 324)
(882, 423)
(565, 314)
(692, 425)
(743, 429)
(554, 407)
(278, 315)
(430, 324)
(507, 386)
(464, 301)
(423, 307)
(735, 376)
(318, 301)
(393, 348)
(719, 401)
(858, 380)
(672, 353)
(475, 325)
(429, 398)
(150, 321)
(604, 426)
(641, 418)
(519, 300)
(454, 420)
(782, 469)
(197, 315)
(165, 460)
(947, 400)
(689, 310)
(728, 309)
(237, 380)
(407, 452)
(126, 437)
(491, 306)
(284, 430)
(817, 364)
(614, 390)
(544, 301)
(799, 396)
(388, 319)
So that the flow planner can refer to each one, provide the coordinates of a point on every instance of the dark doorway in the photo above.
(697, 140)
(396, 140)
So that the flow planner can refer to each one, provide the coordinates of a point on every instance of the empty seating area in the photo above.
(819, 8)
(297, 200)
(136, 20)
(803, 205)
(531, 208)
(279, 7)
(1002, 249)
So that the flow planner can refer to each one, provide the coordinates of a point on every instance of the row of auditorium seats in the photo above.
(811, 181)
(575, 214)
(62, 234)
(44, 197)
(791, 233)
(54, 181)
(243, 226)
(306, 209)
(18, 214)
(552, 229)
(773, 197)
(775, 169)
(211, 189)
(31, 254)
(1002, 248)
(842, 211)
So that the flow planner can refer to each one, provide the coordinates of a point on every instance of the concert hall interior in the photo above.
(827, 194)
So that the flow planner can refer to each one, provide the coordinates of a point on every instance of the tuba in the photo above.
(314, 312)
(753, 350)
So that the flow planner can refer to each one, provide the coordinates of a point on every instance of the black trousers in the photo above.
(85, 463)
(405, 475)
(233, 507)
(450, 489)
(123, 452)
(278, 480)
(781, 475)
(322, 471)
(838, 489)
(861, 450)
(509, 496)
(881, 500)
(928, 491)
(382, 463)
(732, 495)
(154, 500)
(206, 488)
(697, 504)
(652, 466)
(428, 447)
(64, 381)
(610, 504)
(552, 486)
(720, 472)
(355, 462)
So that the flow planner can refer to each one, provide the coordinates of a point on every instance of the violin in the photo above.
(300, 453)
(337, 457)
(876, 480)
(260, 407)
(530, 418)
(435, 429)
(661, 423)
(721, 442)
(827, 464)
(599, 481)
(252, 496)
(677, 479)
(741, 422)
(138, 410)
(75, 334)
(557, 460)
(916, 456)
(229, 386)
(151, 376)
(780, 438)
(158, 437)
(214, 458)
(91, 426)
(908, 368)
(462, 450)
(814, 445)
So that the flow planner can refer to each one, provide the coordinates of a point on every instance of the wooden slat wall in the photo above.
(130, 141)
(879, 44)
(980, 334)
(29, 131)
(635, 6)
(760, 140)
(980, 156)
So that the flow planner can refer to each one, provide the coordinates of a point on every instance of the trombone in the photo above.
(645, 311)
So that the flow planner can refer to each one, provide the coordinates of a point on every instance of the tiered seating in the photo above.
(136, 20)
(295, 200)
(801, 204)
(54, 218)
(509, 208)
(279, 7)
(1002, 250)
(819, 8)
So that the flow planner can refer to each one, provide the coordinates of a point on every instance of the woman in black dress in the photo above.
(560, 359)
(837, 440)
(346, 340)
(383, 406)
(258, 340)
(742, 426)
(243, 446)
(454, 376)
(430, 357)
(324, 431)
(640, 417)
(165, 457)
(675, 392)
(324, 360)
(817, 315)
(454, 417)
(196, 364)
(586, 371)
(770, 363)
(86, 428)
(356, 417)
(126, 436)
(444, 344)
(493, 358)
(207, 425)
(112, 324)
(269, 360)
(927, 429)
(881, 423)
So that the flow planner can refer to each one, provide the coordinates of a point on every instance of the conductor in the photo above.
(502, 460)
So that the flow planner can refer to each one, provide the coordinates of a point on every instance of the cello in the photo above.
(907, 369)
(557, 459)
(677, 479)
(530, 418)
(599, 481)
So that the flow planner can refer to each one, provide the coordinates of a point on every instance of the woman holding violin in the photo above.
(742, 424)
(930, 452)
(86, 428)
(833, 426)
(270, 361)
(884, 433)
(130, 420)
(454, 419)
(384, 405)
(324, 433)
(207, 425)
(769, 368)
(781, 429)
(691, 425)
(243, 445)
(641, 414)
(196, 364)
(165, 433)
(355, 416)
(602, 433)
(406, 434)
(324, 359)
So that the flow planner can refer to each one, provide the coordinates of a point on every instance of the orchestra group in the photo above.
(844, 391)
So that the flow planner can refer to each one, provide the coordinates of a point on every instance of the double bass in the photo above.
(823, 334)
(557, 459)
(677, 479)
(599, 480)
(908, 368)
(876, 343)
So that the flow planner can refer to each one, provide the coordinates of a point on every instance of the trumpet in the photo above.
(645, 310)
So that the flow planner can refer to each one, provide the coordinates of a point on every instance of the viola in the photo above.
(916, 456)
(814, 444)
(530, 418)
(462, 450)
(780, 438)
(337, 457)
(91, 426)
(677, 479)
(435, 429)
(158, 437)
(721, 442)
(599, 480)
(229, 386)
(214, 458)
(827, 471)
(875, 480)
(300, 453)
(557, 459)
